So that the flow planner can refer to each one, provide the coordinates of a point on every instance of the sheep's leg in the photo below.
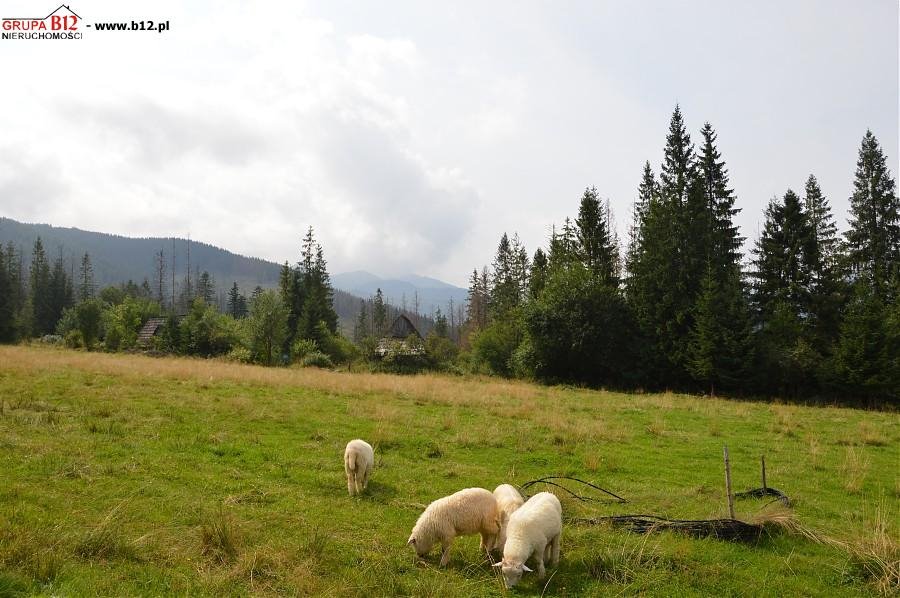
(554, 556)
(445, 554)
(365, 480)
(351, 484)
(547, 552)
(539, 558)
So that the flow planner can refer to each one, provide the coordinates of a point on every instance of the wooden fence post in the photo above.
(763, 459)
(728, 483)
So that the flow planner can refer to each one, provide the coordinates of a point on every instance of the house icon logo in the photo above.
(61, 24)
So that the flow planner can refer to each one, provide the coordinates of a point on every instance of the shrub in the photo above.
(204, 331)
(338, 348)
(303, 347)
(123, 321)
(240, 354)
(493, 347)
(317, 359)
(267, 327)
(73, 339)
(441, 351)
(90, 318)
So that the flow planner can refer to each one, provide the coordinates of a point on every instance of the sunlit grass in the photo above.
(130, 475)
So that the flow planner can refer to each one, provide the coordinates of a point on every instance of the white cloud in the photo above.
(411, 136)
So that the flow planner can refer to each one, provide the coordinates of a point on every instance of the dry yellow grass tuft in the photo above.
(854, 469)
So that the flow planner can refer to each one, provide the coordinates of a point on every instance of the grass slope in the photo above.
(128, 475)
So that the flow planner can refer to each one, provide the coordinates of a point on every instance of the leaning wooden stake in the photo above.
(763, 459)
(728, 484)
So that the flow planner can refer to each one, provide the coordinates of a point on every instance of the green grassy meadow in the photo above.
(130, 475)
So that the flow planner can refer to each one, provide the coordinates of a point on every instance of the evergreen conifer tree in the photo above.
(39, 288)
(86, 287)
(60, 290)
(873, 240)
(825, 277)
(7, 319)
(540, 267)
(504, 283)
(361, 329)
(781, 258)
(379, 314)
(237, 303)
(648, 191)
(594, 240)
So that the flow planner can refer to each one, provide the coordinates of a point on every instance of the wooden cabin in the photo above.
(396, 339)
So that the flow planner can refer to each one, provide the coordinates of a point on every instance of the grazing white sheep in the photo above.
(508, 500)
(469, 511)
(533, 531)
(359, 461)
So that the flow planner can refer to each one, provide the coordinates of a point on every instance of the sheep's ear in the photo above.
(411, 541)
(525, 567)
(497, 564)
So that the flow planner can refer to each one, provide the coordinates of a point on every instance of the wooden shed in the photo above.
(149, 330)
(396, 338)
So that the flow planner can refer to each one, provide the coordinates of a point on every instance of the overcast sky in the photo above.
(412, 134)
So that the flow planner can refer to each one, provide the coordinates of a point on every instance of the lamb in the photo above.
(533, 531)
(469, 511)
(508, 500)
(359, 460)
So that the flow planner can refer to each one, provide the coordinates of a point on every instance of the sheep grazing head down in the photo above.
(422, 546)
(512, 573)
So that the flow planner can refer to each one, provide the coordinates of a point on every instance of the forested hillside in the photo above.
(116, 259)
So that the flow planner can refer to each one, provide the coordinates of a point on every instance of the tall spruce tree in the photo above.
(206, 287)
(39, 288)
(825, 276)
(782, 257)
(290, 290)
(720, 311)
(86, 287)
(7, 313)
(782, 301)
(563, 245)
(669, 261)
(540, 267)
(520, 268)
(648, 191)
(724, 249)
(379, 314)
(237, 303)
(504, 282)
(594, 240)
(60, 289)
(873, 240)
(17, 292)
(361, 330)
(477, 301)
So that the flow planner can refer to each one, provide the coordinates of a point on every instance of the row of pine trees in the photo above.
(808, 313)
(32, 303)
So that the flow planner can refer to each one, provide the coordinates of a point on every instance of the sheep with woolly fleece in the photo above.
(469, 511)
(508, 500)
(359, 461)
(533, 531)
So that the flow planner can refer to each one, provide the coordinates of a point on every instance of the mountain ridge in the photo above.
(118, 258)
